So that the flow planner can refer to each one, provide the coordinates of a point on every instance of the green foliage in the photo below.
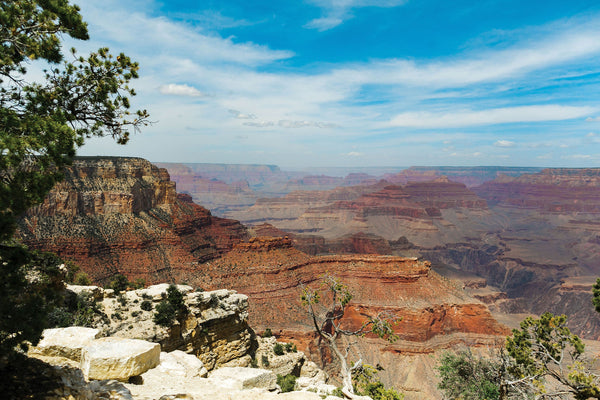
(29, 291)
(81, 278)
(119, 283)
(366, 383)
(265, 361)
(596, 295)
(171, 308)
(139, 283)
(278, 349)
(540, 342)
(267, 333)
(287, 383)
(165, 314)
(41, 125)
(146, 305)
(464, 376)
(291, 348)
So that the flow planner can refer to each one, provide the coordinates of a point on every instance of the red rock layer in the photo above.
(274, 279)
(557, 190)
(123, 215)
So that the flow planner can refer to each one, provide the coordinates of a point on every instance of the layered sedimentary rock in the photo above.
(427, 213)
(558, 190)
(470, 176)
(434, 314)
(123, 215)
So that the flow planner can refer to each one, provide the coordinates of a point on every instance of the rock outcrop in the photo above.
(435, 314)
(123, 215)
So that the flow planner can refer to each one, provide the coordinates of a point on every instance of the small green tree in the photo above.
(465, 376)
(171, 308)
(41, 125)
(327, 321)
(542, 350)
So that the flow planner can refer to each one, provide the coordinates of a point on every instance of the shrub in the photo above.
(146, 305)
(135, 313)
(268, 333)
(165, 314)
(119, 283)
(81, 278)
(265, 361)
(287, 383)
(291, 348)
(121, 299)
(278, 349)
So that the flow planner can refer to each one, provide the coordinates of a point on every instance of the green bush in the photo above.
(119, 283)
(462, 375)
(278, 349)
(287, 383)
(81, 278)
(146, 305)
(291, 348)
(267, 333)
(165, 314)
(265, 361)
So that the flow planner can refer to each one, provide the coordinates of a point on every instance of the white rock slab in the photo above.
(156, 291)
(65, 342)
(244, 378)
(118, 358)
(178, 363)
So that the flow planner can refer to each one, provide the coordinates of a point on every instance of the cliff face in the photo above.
(558, 190)
(428, 213)
(435, 314)
(123, 215)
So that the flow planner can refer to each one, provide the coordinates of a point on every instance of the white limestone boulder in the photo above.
(178, 363)
(118, 358)
(96, 292)
(244, 378)
(65, 342)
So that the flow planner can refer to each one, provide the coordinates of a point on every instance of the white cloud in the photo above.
(504, 143)
(354, 154)
(240, 115)
(577, 156)
(180, 90)
(505, 115)
(323, 24)
(336, 11)
(260, 124)
(592, 119)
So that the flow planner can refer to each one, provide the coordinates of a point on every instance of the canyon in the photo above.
(124, 215)
(525, 240)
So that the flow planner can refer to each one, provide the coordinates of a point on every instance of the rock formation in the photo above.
(123, 215)
(435, 314)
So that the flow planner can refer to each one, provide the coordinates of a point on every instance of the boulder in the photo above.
(244, 378)
(313, 385)
(118, 358)
(285, 364)
(178, 363)
(96, 292)
(65, 342)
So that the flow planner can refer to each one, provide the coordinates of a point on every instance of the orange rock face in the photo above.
(273, 278)
(123, 215)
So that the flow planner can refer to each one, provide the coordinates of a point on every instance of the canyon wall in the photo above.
(123, 215)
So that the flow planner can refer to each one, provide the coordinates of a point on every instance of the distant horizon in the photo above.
(358, 82)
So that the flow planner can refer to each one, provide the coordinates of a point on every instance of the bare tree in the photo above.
(327, 313)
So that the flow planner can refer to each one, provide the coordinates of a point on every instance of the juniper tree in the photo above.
(42, 123)
(326, 312)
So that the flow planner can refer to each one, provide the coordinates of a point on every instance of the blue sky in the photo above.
(319, 83)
